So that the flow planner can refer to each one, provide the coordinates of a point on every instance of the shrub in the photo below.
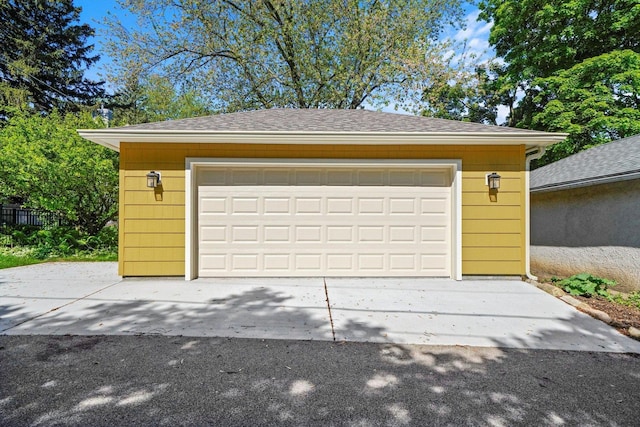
(63, 241)
(587, 285)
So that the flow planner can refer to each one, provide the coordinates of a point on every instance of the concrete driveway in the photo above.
(90, 299)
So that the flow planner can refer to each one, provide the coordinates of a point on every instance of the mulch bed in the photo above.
(623, 316)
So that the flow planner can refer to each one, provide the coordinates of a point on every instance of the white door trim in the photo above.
(192, 164)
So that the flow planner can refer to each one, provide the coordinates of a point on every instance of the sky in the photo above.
(475, 35)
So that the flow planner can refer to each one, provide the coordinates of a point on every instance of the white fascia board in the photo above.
(111, 143)
(111, 138)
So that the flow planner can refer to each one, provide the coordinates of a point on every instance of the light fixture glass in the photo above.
(153, 179)
(493, 180)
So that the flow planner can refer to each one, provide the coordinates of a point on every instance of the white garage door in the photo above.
(324, 222)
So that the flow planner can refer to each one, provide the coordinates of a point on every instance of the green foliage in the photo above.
(587, 285)
(45, 164)
(565, 67)
(468, 97)
(631, 300)
(42, 57)
(56, 242)
(290, 53)
(595, 101)
(155, 99)
(537, 38)
(14, 258)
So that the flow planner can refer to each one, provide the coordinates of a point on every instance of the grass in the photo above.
(8, 261)
(19, 256)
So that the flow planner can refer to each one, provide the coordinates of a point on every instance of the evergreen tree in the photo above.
(43, 56)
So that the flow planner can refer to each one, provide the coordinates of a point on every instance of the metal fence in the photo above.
(23, 216)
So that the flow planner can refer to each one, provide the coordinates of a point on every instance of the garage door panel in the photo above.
(245, 205)
(245, 262)
(376, 178)
(308, 262)
(340, 177)
(434, 206)
(213, 263)
(402, 206)
(276, 205)
(345, 237)
(371, 234)
(315, 263)
(403, 178)
(371, 205)
(403, 234)
(213, 205)
(324, 222)
(344, 261)
(406, 262)
(244, 233)
(340, 206)
(277, 234)
(340, 234)
(371, 262)
(308, 234)
(274, 262)
(308, 205)
(245, 176)
(277, 177)
(214, 234)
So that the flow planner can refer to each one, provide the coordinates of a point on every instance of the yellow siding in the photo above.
(152, 222)
(154, 268)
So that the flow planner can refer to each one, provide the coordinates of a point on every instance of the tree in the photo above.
(43, 55)
(45, 164)
(468, 97)
(287, 53)
(543, 42)
(596, 101)
(155, 99)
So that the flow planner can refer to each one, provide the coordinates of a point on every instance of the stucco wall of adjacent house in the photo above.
(152, 223)
(594, 229)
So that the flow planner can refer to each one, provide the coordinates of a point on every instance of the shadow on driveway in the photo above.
(151, 378)
(159, 380)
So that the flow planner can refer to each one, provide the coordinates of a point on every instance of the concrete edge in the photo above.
(584, 307)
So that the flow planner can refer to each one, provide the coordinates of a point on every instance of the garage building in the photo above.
(290, 192)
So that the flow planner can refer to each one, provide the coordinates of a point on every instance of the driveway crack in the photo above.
(59, 307)
(326, 293)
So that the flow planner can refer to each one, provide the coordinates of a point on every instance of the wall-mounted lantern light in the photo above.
(493, 181)
(154, 179)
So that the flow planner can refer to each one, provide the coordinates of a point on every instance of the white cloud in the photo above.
(474, 38)
(478, 44)
(503, 112)
(473, 27)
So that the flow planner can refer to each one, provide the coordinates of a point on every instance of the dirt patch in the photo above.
(623, 316)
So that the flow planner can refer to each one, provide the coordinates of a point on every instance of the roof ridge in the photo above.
(324, 120)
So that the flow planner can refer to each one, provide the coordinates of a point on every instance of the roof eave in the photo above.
(111, 138)
(586, 182)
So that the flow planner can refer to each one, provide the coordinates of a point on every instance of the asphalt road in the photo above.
(158, 380)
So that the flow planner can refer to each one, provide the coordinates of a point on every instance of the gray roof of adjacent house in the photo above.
(317, 126)
(615, 161)
(321, 120)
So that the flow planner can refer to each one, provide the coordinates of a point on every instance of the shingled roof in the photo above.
(318, 126)
(322, 120)
(615, 161)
